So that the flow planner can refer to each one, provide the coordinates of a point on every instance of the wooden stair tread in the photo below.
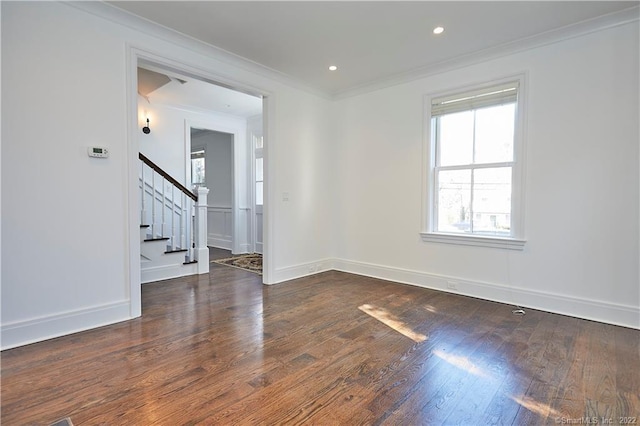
(190, 262)
(175, 251)
(157, 239)
(144, 226)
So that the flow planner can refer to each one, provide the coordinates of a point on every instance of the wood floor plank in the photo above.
(601, 375)
(627, 353)
(424, 375)
(491, 367)
(332, 348)
(537, 402)
(525, 348)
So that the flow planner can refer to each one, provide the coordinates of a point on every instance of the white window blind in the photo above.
(481, 98)
(197, 154)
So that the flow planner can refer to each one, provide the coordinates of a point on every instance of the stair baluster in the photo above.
(173, 214)
(154, 233)
(179, 230)
(164, 207)
(143, 201)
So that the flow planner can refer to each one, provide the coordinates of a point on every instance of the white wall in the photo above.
(0, 176)
(581, 256)
(302, 177)
(64, 245)
(67, 259)
(165, 145)
(219, 180)
(218, 166)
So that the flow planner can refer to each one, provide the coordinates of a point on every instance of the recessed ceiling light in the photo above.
(438, 30)
(333, 68)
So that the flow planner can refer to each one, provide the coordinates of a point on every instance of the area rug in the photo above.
(248, 262)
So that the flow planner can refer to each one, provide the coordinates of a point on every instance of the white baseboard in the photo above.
(159, 273)
(36, 330)
(623, 315)
(219, 243)
(301, 270)
(245, 248)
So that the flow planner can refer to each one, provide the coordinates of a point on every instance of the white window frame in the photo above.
(198, 152)
(429, 234)
(258, 154)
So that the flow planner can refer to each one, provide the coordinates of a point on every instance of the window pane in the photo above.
(197, 171)
(258, 141)
(259, 170)
(492, 201)
(259, 196)
(494, 134)
(454, 199)
(455, 145)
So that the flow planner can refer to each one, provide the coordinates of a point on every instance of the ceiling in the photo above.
(161, 86)
(368, 41)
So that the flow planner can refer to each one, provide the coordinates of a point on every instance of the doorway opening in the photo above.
(212, 167)
(204, 133)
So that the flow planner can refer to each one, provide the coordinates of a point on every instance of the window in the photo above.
(474, 192)
(197, 168)
(258, 146)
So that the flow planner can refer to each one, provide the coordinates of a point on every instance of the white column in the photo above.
(201, 250)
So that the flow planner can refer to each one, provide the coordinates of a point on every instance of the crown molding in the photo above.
(126, 19)
(579, 29)
(136, 23)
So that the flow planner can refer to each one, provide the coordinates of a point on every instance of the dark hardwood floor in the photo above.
(217, 253)
(330, 349)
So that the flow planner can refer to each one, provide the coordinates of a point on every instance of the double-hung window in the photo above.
(198, 167)
(474, 190)
(258, 142)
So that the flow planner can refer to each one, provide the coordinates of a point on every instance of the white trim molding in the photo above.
(617, 314)
(167, 272)
(21, 333)
(475, 240)
(301, 270)
(220, 231)
(579, 29)
(126, 19)
(132, 200)
(112, 13)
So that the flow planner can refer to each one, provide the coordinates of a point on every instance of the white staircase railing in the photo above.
(172, 212)
(201, 251)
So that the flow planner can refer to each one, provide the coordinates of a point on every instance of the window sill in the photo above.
(473, 240)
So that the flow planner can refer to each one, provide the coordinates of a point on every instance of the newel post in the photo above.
(201, 250)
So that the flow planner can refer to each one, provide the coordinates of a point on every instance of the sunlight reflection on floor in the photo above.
(431, 309)
(464, 363)
(461, 362)
(390, 320)
(534, 406)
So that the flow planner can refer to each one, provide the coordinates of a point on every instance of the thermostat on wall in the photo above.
(99, 152)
